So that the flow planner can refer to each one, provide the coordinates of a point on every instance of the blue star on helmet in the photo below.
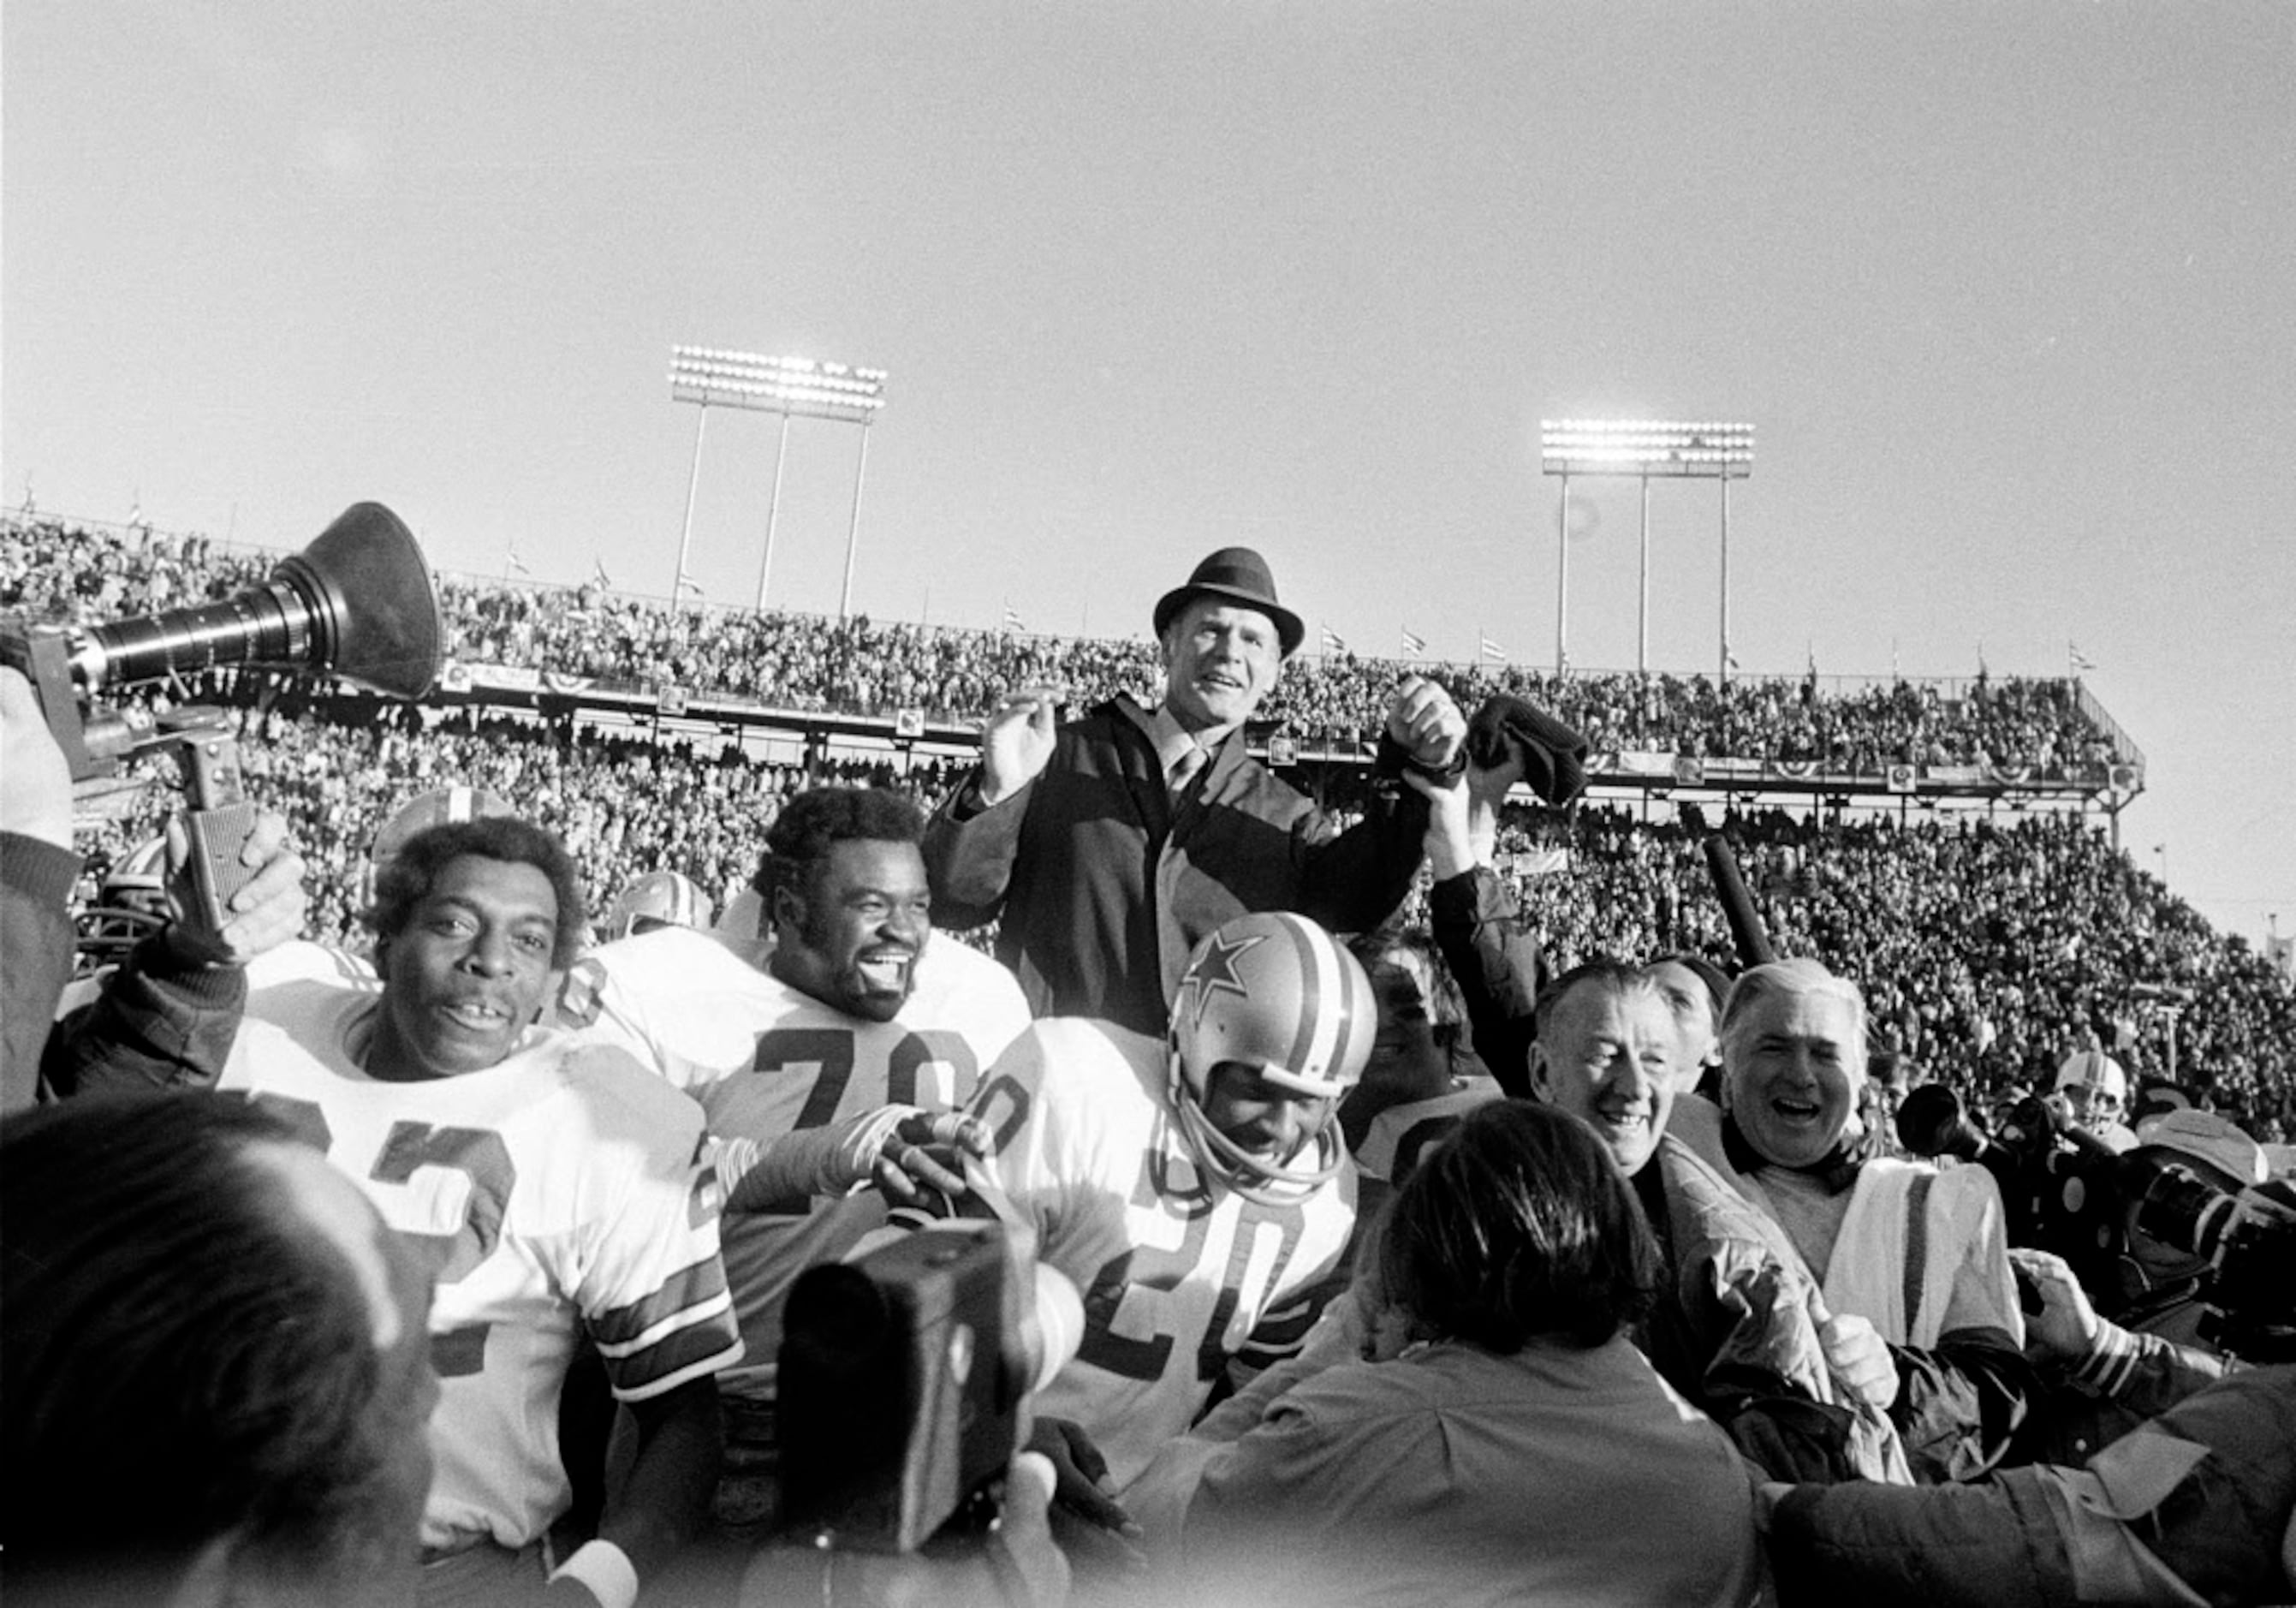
(1214, 971)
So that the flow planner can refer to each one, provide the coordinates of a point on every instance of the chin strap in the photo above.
(1262, 1182)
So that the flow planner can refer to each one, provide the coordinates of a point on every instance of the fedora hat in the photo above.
(1241, 575)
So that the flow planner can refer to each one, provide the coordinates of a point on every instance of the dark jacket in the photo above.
(1104, 890)
(1494, 954)
(159, 1022)
(2206, 1488)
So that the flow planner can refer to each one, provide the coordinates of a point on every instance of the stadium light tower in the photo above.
(794, 388)
(1644, 449)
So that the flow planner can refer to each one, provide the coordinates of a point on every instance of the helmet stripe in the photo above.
(1356, 1015)
(1319, 980)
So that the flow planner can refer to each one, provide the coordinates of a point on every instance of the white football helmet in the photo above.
(1278, 994)
(658, 898)
(422, 812)
(131, 902)
(138, 879)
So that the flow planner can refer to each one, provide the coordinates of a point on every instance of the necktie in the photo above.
(1181, 779)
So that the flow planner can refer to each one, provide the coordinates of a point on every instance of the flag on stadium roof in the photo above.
(517, 563)
(2077, 660)
(1012, 619)
(604, 580)
(1333, 643)
(1492, 652)
(686, 583)
(1414, 647)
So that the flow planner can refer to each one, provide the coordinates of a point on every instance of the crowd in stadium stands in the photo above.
(1989, 991)
(807, 662)
(815, 664)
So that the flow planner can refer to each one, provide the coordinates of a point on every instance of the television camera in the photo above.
(358, 603)
(2065, 1191)
(902, 1377)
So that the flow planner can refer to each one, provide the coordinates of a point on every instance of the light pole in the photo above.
(794, 388)
(1645, 448)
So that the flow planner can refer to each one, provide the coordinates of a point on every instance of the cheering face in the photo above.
(1263, 1119)
(1608, 1058)
(469, 972)
(1220, 660)
(1790, 1079)
(855, 944)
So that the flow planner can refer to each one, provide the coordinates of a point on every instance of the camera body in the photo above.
(902, 1379)
(2065, 1192)
(358, 604)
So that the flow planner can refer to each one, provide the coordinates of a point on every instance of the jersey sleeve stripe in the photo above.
(690, 1353)
(697, 1284)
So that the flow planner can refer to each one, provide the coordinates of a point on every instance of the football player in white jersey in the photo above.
(553, 1185)
(1194, 1188)
(822, 1040)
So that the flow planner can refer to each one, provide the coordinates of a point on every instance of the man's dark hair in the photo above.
(184, 1358)
(799, 842)
(404, 880)
(1518, 1225)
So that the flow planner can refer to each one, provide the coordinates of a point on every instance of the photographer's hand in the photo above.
(2065, 1327)
(265, 914)
(1082, 1486)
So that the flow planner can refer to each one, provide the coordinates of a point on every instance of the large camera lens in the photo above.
(1930, 1122)
(2179, 1208)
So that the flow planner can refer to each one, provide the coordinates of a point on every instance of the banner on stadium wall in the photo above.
(518, 677)
(1535, 862)
(909, 722)
(1799, 770)
(1900, 778)
(1689, 771)
(565, 681)
(1283, 749)
(2008, 776)
(1957, 776)
(1637, 762)
(455, 678)
(669, 699)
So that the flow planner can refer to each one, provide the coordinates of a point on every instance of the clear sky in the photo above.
(2009, 292)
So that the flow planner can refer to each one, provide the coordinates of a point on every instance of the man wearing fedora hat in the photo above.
(1109, 846)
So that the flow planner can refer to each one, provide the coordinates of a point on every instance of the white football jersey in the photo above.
(563, 1187)
(766, 1060)
(1177, 1270)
